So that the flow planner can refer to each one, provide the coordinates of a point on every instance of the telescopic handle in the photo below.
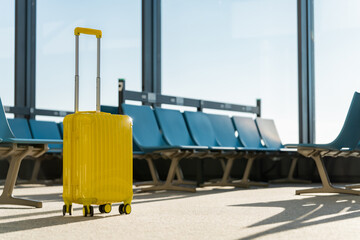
(98, 35)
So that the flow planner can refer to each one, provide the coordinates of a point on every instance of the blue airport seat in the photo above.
(269, 133)
(271, 138)
(247, 132)
(225, 134)
(147, 136)
(174, 129)
(146, 131)
(61, 129)
(20, 127)
(176, 133)
(250, 135)
(17, 149)
(218, 133)
(46, 130)
(224, 130)
(349, 136)
(248, 140)
(8, 136)
(109, 109)
(202, 131)
(344, 145)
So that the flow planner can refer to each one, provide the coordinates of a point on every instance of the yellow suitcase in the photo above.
(97, 155)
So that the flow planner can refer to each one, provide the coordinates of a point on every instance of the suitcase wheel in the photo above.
(67, 209)
(105, 208)
(125, 209)
(88, 211)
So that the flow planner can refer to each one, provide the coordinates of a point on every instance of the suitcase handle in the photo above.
(98, 35)
(88, 31)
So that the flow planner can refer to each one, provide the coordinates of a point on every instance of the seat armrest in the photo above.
(290, 149)
(33, 141)
(222, 148)
(291, 145)
(315, 146)
(156, 148)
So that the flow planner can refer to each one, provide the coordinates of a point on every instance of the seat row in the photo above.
(221, 146)
(174, 135)
(35, 129)
(170, 134)
(15, 149)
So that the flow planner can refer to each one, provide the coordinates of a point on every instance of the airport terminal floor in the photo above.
(210, 213)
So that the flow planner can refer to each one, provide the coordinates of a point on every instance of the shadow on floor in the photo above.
(147, 197)
(40, 221)
(306, 212)
(45, 222)
(142, 197)
(50, 197)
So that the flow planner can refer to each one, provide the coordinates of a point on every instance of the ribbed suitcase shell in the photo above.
(97, 158)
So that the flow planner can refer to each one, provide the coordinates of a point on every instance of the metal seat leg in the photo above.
(245, 182)
(36, 170)
(327, 187)
(180, 178)
(290, 178)
(6, 196)
(168, 185)
(154, 175)
(225, 180)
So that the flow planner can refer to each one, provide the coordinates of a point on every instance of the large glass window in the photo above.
(120, 22)
(7, 26)
(234, 51)
(337, 60)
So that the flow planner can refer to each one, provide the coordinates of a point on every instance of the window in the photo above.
(120, 22)
(7, 40)
(236, 52)
(337, 60)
